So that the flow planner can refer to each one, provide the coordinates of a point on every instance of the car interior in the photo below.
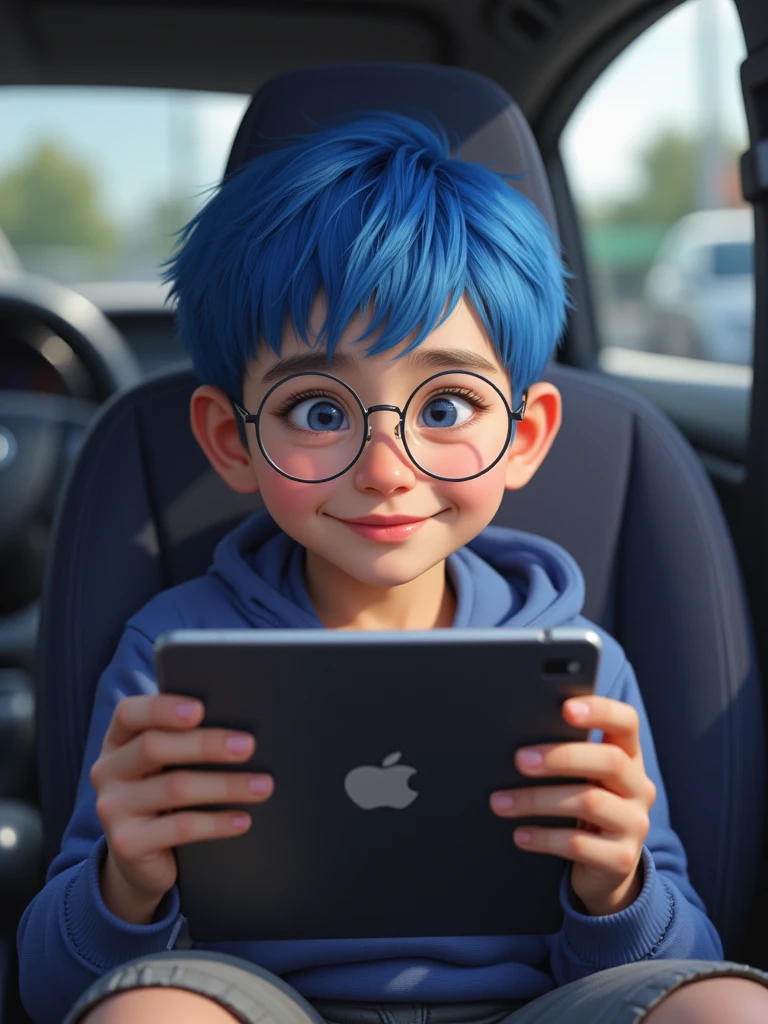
(657, 483)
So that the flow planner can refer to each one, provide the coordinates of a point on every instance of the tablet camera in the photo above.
(562, 667)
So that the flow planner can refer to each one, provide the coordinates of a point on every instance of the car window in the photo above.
(95, 181)
(733, 259)
(652, 154)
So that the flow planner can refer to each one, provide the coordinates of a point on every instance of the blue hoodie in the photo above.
(68, 937)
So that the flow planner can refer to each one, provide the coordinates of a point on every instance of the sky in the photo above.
(666, 78)
(142, 144)
(146, 145)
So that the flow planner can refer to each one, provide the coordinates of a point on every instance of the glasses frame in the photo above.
(513, 415)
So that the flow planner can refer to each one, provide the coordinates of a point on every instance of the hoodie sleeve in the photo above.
(668, 919)
(67, 937)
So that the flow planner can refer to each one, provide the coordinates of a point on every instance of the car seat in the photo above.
(621, 490)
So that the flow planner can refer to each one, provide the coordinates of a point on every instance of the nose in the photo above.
(384, 465)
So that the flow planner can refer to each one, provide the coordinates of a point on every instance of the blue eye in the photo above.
(319, 414)
(445, 411)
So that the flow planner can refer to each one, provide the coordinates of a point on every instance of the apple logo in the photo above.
(370, 787)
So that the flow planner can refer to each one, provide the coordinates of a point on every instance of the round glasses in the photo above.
(312, 427)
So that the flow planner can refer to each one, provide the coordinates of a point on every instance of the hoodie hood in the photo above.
(502, 578)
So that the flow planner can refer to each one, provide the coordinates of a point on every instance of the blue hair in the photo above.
(375, 213)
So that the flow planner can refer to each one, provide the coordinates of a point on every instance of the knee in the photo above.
(158, 1006)
(712, 1001)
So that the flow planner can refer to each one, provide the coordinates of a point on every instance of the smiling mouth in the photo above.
(385, 520)
(386, 528)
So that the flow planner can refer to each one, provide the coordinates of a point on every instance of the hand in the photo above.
(611, 807)
(139, 804)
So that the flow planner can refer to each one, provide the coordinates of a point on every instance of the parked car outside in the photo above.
(700, 288)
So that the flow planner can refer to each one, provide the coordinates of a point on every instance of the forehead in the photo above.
(461, 342)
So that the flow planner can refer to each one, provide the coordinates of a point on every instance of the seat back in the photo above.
(621, 490)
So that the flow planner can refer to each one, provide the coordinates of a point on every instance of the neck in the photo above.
(342, 602)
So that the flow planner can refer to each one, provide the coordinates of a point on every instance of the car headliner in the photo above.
(543, 52)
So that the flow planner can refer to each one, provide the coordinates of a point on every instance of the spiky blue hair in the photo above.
(375, 213)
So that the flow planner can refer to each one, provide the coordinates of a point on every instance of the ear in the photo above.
(534, 435)
(213, 423)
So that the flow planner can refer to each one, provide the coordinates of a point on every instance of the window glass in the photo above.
(652, 158)
(732, 259)
(95, 181)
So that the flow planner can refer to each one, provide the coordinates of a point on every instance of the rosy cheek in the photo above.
(287, 500)
(481, 495)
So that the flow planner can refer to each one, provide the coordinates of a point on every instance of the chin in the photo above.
(386, 582)
(388, 572)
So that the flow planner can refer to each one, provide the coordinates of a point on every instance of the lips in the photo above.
(385, 520)
(386, 529)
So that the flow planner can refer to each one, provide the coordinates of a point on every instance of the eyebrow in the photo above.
(308, 361)
(449, 359)
(420, 358)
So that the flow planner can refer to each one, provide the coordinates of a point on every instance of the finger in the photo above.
(134, 715)
(172, 790)
(619, 722)
(136, 839)
(601, 762)
(611, 856)
(594, 805)
(155, 749)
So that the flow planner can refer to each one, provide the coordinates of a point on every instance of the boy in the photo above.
(370, 318)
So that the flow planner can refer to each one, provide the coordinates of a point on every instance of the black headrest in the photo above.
(485, 124)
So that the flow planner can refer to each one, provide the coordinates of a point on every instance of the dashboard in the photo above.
(151, 336)
(140, 310)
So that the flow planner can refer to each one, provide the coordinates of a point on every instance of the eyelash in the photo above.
(293, 401)
(464, 393)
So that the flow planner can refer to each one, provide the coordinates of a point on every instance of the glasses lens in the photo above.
(311, 427)
(456, 426)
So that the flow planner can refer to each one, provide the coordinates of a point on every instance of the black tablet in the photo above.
(385, 748)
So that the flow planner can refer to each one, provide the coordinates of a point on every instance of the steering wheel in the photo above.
(39, 433)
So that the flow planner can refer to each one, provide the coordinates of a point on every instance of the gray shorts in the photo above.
(621, 995)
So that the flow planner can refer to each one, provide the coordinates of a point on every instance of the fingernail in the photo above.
(240, 821)
(522, 835)
(578, 708)
(238, 744)
(258, 784)
(530, 758)
(187, 710)
(502, 802)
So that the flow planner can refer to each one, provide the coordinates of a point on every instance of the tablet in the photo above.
(385, 748)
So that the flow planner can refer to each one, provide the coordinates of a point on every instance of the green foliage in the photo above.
(167, 218)
(51, 199)
(671, 165)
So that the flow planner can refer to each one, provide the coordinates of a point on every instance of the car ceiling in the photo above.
(534, 48)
